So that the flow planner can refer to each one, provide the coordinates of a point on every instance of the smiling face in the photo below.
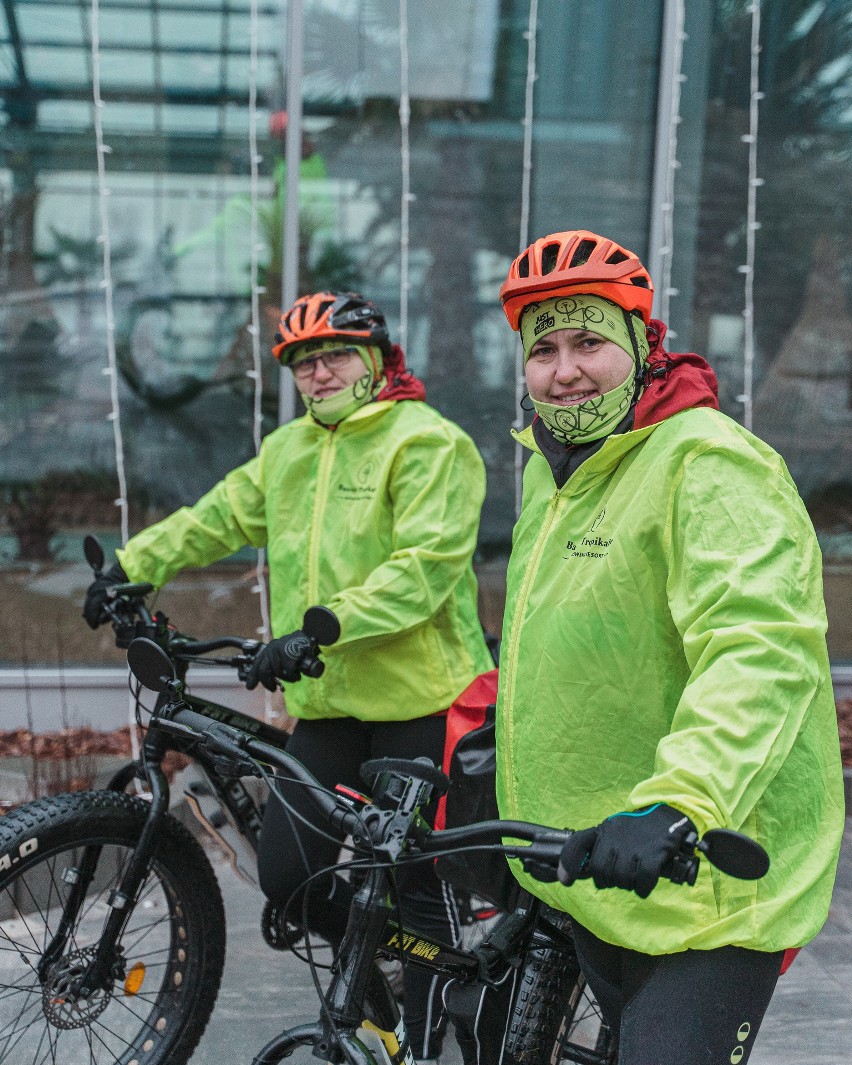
(570, 366)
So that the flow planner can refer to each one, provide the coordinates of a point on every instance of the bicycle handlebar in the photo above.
(373, 828)
(131, 619)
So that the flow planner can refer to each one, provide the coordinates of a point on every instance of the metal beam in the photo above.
(59, 152)
(164, 49)
(36, 92)
(15, 40)
(176, 6)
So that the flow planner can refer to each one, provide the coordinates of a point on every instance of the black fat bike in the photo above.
(112, 931)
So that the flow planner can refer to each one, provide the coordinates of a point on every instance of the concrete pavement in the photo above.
(809, 1021)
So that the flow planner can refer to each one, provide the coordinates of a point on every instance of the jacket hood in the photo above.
(402, 384)
(678, 381)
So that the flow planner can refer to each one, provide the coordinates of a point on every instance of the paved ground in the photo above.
(809, 1021)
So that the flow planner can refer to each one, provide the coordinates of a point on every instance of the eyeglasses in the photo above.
(333, 361)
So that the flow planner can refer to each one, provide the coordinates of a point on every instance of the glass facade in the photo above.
(175, 82)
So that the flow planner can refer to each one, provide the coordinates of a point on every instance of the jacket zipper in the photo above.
(320, 500)
(520, 609)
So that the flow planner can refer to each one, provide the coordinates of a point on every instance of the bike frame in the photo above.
(227, 746)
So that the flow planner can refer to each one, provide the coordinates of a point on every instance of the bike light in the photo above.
(134, 979)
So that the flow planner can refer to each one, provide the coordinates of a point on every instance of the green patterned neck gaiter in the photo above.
(330, 410)
(583, 422)
(590, 420)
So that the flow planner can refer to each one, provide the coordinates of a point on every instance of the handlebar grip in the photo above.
(311, 667)
(191, 719)
(130, 590)
(683, 868)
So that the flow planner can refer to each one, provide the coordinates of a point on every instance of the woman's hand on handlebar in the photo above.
(628, 850)
(290, 657)
(97, 595)
(286, 658)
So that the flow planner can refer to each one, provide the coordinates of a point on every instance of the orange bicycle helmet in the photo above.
(326, 315)
(563, 264)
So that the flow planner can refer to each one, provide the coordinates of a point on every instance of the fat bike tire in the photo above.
(167, 972)
(554, 1018)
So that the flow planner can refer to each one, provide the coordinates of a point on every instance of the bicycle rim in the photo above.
(141, 1017)
(587, 1038)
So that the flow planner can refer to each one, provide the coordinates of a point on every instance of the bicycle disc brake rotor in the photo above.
(62, 1006)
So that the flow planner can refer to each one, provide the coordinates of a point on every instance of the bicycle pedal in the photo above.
(279, 933)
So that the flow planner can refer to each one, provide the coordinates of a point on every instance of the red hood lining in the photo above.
(401, 382)
(678, 381)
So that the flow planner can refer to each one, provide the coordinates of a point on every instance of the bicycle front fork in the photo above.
(101, 970)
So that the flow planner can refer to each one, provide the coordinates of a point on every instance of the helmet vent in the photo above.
(582, 252)
(616, 257)
(642, 282)
(548, 258)
(524, 266)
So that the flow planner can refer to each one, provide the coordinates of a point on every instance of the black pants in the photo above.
(333, 750)
(697, 1007)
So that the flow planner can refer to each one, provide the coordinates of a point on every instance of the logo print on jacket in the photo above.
(362, 488)
(590, 546)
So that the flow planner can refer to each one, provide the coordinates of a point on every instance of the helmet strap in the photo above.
(641, 367)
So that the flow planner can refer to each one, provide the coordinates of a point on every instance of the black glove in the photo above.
(96, 595)
(280, 659)
(628, 850)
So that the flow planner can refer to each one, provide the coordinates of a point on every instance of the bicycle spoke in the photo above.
(122, 1040)
(52, 1043)
(8, 991)
(142, 930)
(140, 1015)
(20, 1032)
(92, 1057)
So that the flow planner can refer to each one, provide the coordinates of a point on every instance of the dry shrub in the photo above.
(68, 760)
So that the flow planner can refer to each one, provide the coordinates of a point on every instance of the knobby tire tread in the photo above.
(549, 993)
(196, 914)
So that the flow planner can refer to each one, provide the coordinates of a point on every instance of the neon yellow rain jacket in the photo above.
(376, 520)
(664, 642)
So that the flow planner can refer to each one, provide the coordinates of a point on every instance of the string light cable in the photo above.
(406, 196)
(253, 328)
(666, 252)
(523, 241)
(111, 369)
(752, 224)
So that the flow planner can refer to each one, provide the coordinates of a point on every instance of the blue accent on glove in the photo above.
(629, 850)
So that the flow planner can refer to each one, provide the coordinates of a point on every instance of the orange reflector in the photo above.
(135, 979)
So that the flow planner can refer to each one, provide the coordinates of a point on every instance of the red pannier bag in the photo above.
(470, 762)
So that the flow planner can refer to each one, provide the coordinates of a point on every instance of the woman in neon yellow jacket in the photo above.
(369, 505)
(664, 664)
